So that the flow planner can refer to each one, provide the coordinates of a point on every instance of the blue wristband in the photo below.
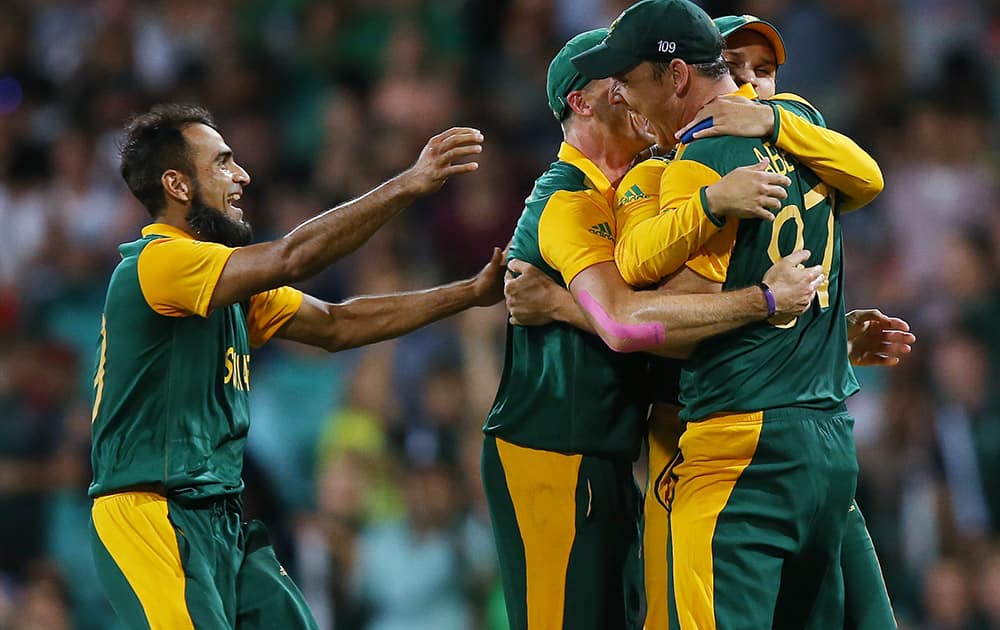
(772, 306)
(689, 134)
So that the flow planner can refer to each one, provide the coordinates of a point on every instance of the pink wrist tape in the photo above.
(632, 337)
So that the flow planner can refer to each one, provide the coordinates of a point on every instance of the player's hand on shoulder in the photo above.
(793, 285)
(748, 192)
(488, 282)
(444, 155)
(732, 115)
(528, 293)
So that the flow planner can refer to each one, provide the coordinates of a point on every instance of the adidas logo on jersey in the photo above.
(603, 230)
(632, 194)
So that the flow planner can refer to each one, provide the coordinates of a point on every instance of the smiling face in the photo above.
(650, 96)
(626, 125)
(217, 184)
(751, 59)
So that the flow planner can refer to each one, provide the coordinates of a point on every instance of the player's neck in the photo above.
(605, 150)
(702, 91)
(175, 216)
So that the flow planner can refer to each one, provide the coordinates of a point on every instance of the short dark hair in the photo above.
(710, 70)
(154, 143)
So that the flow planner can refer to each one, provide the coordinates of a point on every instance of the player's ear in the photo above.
(680, 75)
(176, 185)
(578, 102)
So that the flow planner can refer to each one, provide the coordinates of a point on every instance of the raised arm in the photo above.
(369, 319)
(318, 242)
(792, 125)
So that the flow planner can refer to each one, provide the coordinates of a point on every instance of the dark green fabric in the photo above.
(653, 30)
(664, 379)
(209, 540)
(563, 389)
(604, 577)
(266, 597)
(762, 366)
(866, 601)
(167, 418)
(116, 588)
(232, 577)
(777, 544)
(603, 583)
(507, 536)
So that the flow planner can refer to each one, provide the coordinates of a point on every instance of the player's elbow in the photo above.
(873, 184)
(623, 333)
(630, 267)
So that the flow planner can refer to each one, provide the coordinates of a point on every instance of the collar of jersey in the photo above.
(746, 90)
(570, 154)
(162, 229)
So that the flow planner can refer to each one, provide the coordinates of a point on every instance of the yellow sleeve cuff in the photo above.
(269, 311)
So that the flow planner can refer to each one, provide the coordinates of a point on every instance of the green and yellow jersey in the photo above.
(171, 388)
(668, 227)
(563, 389)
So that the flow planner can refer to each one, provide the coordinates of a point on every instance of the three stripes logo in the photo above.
(632, 194)
(603, 230)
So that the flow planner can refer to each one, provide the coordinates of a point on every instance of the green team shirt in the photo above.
(563, 389)
(172, 380)
(767, 365)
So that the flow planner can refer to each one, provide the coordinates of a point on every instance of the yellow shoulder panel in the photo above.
(638, 195)
(178, 275)
(576, 230)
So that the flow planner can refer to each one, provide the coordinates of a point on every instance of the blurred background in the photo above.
(365, 464)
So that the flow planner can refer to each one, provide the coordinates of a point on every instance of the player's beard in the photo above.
(212, 224)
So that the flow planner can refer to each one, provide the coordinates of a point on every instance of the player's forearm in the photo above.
(688, 319)
(658, 246)
(370, 319)
(315, 244)
(565, 309)
(835, 158)
(650, 321)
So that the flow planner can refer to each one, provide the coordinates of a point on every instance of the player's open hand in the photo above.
(877, 339)
(489, 281)
(530, 294)
(732, 115)
(793, 285)
(748, 192)
(444, 155)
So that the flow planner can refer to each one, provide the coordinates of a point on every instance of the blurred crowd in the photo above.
(365, 464)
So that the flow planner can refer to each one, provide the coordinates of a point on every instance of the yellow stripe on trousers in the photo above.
(135, 530)
(542, 486)
(664, 430)
(716, 452)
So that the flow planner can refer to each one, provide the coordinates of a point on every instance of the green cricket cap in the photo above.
(729, 24)
(563, 77)
(653, 30)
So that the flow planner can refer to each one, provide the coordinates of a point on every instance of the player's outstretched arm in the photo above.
(670, 324)
(877, 339)
(318, 242)
(368, 319)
